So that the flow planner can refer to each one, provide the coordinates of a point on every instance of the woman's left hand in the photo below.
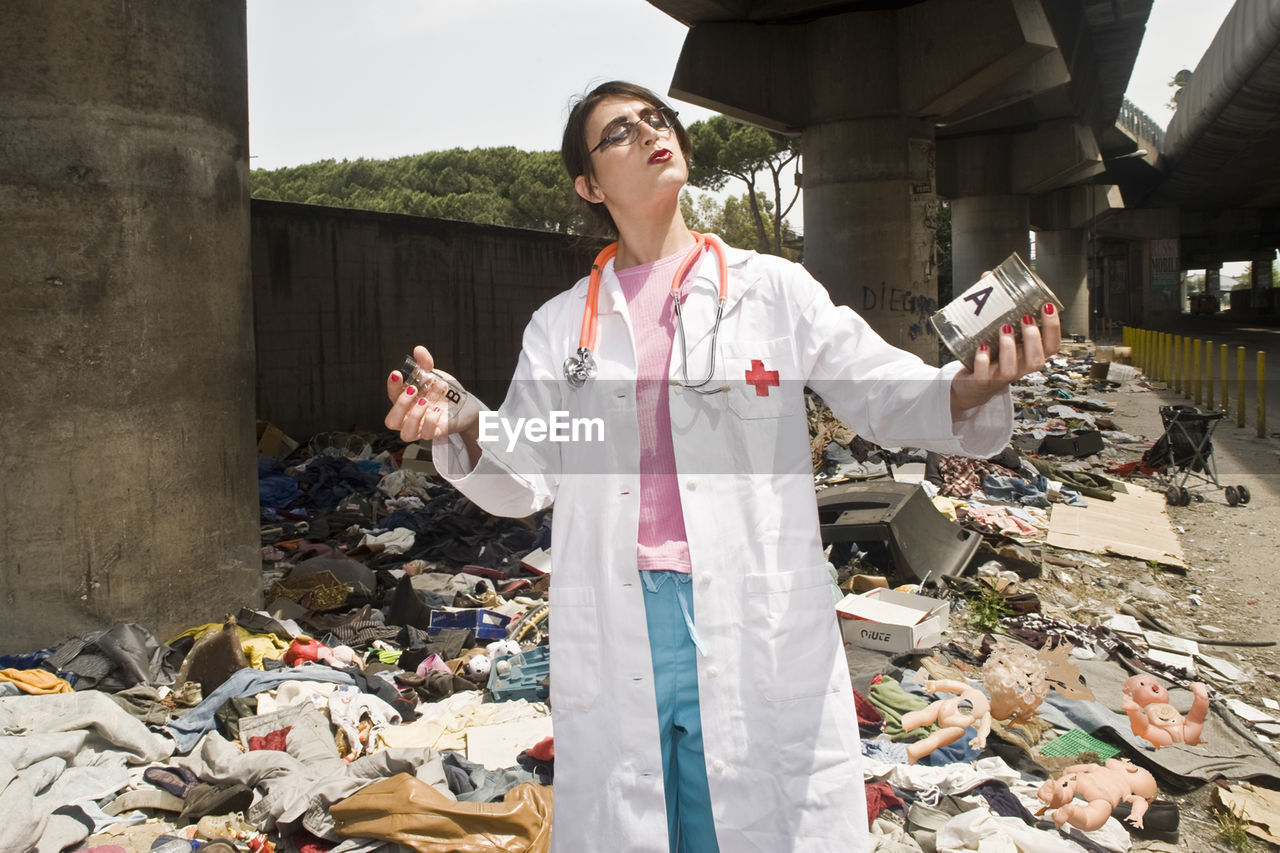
(993, 372)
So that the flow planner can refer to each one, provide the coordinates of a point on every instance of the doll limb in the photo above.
(1194, 723)
(937, 740)
(1138, 809)
(1088, 817)
(924, 717)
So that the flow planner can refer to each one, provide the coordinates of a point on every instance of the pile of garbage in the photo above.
(1023, 677)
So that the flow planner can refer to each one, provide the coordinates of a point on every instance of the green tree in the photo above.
(733, 220)
(724, 150)
(942, 244)
(491, 186)
(1178, 82)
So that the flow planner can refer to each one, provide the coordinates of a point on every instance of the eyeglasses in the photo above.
(624, 131)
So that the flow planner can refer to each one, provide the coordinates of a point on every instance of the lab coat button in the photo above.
(713, 672)
(706, 580)
(692, 485)
(718, 766)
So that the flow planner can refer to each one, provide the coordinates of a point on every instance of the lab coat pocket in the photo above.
(760, 376)
(576, 650)
(787, 610)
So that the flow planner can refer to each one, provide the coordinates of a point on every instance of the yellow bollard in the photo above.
(1262, 394)
(1208, 374)
(1188, 375)
(1195, 372)
(1166, 364)
(1178, 367)
(1240, 386)
(1226, 378)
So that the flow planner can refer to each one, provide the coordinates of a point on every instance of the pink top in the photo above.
(663, 545)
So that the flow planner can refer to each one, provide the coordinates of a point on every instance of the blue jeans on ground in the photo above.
(674, 644)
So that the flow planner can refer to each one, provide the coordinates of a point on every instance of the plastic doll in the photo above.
(953, 716)
(1103, 787)
(1152, 717)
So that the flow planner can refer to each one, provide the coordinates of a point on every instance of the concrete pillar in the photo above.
(1260, 276)
(1213, 280)
(128, 489)
(1062, 262)
(985, 230)
(870, 219)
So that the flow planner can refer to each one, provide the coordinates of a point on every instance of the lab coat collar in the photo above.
(706, 277)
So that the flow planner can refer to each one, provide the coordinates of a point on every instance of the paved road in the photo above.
(1255, 338)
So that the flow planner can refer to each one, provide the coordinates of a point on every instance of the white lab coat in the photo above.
(779, 727)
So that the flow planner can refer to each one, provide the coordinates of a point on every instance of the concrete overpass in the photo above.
(1209, 189)
(1005, 107)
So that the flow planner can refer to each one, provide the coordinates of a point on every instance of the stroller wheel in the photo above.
(1244, 494)
(1198, 498)
(1233, 497)
(1184, 497)
(1171, 496)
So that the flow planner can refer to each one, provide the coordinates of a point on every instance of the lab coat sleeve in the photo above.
(887, 395)
(511, 478)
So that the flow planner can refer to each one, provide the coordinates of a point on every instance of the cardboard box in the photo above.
(273, 442)
(417, 457)
(859, 584)
(892, 621)
(537, 561)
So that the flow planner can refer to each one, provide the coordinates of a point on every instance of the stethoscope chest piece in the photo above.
(579, 367)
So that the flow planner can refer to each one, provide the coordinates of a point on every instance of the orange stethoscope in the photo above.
(581, 366)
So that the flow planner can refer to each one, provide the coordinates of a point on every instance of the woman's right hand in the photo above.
(426, 414)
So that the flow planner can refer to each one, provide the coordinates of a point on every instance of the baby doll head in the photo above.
(1144, 690)
(1015, 679)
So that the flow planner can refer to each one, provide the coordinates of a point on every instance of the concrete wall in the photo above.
(127, 479)
(340, 296)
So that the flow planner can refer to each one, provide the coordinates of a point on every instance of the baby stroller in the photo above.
(1185, 451)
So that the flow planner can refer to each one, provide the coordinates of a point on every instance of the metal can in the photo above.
(1001, 297)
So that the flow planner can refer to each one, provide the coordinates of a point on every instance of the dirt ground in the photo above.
(1231, 589)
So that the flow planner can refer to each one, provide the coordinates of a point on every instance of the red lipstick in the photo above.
(661, 155)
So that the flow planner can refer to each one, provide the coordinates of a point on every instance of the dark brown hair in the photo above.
(575, 150)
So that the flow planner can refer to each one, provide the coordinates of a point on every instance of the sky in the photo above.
(344, 79)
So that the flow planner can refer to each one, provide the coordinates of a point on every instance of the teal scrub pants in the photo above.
(674, 644)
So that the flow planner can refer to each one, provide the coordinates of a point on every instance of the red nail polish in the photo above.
(422, 401)
(1006, 329)
(983, 348)
(1049, 309)
(410, 390)
(395, 376)
(1027, 319)
(436, 410)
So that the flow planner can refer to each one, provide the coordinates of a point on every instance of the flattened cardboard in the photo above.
(273, 442)
(1133, 525)
(892, 621)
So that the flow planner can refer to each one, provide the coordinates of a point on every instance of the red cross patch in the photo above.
(761, 378)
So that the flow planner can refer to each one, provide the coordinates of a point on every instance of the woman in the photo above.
(725, 715)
